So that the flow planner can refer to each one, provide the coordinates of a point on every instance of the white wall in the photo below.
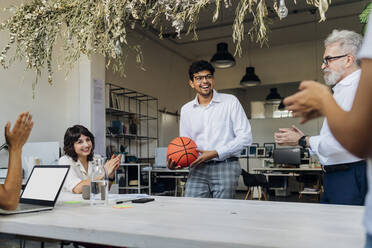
(165, 76)
(54, 107)
(263, 129)
(294, 51)
(273, 65)
(259, 93)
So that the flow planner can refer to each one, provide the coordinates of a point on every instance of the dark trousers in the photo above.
(346, 186)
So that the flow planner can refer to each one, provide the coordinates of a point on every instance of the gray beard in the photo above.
(333, 77)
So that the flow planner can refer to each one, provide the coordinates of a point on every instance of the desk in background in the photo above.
(167, 173)
(194, 222)
(291, 172)
(157, 172)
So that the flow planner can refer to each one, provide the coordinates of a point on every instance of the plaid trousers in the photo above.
(213, 180)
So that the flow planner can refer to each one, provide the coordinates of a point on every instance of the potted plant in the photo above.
(363, 17)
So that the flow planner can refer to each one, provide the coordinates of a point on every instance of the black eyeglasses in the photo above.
(199, 79)
(328, 58)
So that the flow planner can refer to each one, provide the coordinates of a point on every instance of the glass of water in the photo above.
(98, 183)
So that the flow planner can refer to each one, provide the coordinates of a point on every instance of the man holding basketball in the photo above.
(220, 128)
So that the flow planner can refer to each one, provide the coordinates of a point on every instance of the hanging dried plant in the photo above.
(101, 26)
(322, 6)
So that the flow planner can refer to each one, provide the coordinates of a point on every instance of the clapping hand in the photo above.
(20, 132)
(288, 136)
(112, 165)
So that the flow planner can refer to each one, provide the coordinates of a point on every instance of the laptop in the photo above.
(42, 189)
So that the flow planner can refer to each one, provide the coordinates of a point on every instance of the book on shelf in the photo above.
(120, 100)
(114, 100)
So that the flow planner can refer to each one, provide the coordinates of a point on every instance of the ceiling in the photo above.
(290, 29)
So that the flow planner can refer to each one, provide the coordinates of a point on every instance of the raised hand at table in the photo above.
(15, 139)
(20, 132)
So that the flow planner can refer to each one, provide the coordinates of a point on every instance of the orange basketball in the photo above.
(182, 151)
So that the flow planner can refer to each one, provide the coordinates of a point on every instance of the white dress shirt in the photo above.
(222, 125)
(77, 172)
(366, 53)
(325, 146)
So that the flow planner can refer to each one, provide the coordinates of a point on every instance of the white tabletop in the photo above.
(191, 222)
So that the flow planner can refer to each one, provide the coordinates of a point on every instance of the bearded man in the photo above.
(345, 179)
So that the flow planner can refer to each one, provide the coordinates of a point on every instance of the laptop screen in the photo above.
(45, 183)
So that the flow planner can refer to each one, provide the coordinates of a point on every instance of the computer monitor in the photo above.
(290, 156)
(161, 157)
(39, 153)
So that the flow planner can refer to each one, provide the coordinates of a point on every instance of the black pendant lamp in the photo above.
(222, 59)
(250, 78)
(273, 95)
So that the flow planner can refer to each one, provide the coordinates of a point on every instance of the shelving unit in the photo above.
(131, 123)
(130, 107)
(140, 170)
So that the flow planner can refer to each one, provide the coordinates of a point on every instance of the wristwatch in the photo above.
(302, 141)
(111, 179)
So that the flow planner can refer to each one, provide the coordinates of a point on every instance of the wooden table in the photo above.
(192, 222)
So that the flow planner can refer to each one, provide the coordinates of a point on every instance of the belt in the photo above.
(339, 167)
(232, 159)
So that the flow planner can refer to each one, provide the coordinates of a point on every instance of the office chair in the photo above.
(255, 180)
